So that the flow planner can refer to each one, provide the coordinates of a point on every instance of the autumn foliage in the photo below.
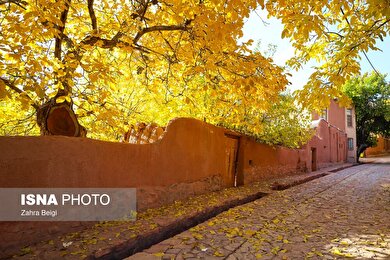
(110, 64)
(336, 34)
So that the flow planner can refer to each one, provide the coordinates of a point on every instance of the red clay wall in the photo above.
(336, 115)
(260, 161)
(189, 160)
(192, 158)
(330, 144)
(190, 151)
(382, 147)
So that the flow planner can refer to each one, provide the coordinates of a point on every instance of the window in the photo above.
(350, 144)
(324, 114)
(349, 117)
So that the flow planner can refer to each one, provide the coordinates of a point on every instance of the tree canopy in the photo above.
(112, 62)
(370, 95)
(336, 34)
(79, 51)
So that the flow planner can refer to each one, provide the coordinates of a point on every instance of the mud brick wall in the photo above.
(382, 147)
(191, 158)
(330, 143)
(261, 162)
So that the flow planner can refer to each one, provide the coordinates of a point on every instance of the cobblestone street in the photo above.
(345, 214)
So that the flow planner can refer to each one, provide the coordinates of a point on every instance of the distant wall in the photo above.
(337, 118)
(262, 161)
(330, 144)
(351, 133)
(382, 147)
(193, 157)
(336, 115)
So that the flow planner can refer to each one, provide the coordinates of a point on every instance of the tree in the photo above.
(370, 95)
(58, 55)
(69, 59)
(336, 34)
(287, 123)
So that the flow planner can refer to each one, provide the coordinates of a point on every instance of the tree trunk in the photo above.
(360, 150)
(59, 119)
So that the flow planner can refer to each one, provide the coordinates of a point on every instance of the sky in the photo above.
(255, 29)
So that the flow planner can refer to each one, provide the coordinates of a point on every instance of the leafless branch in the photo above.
(265, 23)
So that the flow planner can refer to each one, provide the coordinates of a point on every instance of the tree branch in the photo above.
(11, 85)
(61, 28)
(18, 90)
(92, 15)
(335, 33)
(110, 43)
(20, 3)
(159, 28)
(140, 13)
(365, 55)
(105, 43)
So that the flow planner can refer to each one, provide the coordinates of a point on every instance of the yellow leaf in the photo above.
(60, 99)
(249, 232)
(198, 236)
(159, 254)
(284, 33)
(153, 226)
(275, 250)
(94, 76)
(336, 251)
(309, 255)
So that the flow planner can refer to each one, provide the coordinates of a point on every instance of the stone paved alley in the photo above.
(346, 214)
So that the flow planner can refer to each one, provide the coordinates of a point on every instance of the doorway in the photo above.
(313, 159)
(232, 143)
